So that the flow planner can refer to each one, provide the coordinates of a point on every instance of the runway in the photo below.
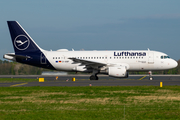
(83, 80)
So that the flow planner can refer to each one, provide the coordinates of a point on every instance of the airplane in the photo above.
(115, 63)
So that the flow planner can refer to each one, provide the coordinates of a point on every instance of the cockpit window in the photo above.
(164, 57)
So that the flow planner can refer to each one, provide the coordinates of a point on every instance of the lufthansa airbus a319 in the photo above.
(115, 63)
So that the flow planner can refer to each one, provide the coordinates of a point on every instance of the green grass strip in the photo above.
(5, 80)
(90, 103)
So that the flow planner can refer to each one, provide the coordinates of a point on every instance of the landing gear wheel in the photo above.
(93, 77)
(96, 77)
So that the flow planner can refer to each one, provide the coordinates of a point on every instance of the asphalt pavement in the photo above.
(83, 80)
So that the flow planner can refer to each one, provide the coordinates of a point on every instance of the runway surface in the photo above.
(83, 80)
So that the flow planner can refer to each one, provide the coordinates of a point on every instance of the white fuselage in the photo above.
(151, 60)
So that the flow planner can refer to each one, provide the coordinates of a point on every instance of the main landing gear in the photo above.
(150, 75)
(94, 75)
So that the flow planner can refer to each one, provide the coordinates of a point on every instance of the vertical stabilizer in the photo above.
(21, 40)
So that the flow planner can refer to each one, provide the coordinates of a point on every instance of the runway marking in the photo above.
(18, 84)
(142, 78)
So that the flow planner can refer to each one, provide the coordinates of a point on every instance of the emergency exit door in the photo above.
(151, 58)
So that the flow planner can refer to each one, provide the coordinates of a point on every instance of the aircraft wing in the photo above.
(88, 63)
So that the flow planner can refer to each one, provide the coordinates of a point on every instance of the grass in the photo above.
(5, 80)
(90, 103)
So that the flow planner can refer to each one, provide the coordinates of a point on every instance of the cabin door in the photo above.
(151, 58)
(43, 59)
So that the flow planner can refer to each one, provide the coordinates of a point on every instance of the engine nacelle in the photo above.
(120, 72)
(80, 68)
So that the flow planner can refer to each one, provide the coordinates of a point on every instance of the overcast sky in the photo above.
(95, 24)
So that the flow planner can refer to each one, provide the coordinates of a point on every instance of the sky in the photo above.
(95, 24)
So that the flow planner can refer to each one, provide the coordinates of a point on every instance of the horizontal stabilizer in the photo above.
(12, 56)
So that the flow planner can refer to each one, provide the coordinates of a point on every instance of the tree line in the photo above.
(14, 68)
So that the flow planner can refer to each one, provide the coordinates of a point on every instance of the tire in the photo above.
(93, 77)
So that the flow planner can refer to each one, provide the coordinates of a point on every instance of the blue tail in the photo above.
(22, 42)
(26, 50)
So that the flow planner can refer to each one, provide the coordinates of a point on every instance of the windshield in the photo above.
(164, 57)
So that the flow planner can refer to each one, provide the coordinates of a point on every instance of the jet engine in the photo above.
(120, 72)
(80, 68)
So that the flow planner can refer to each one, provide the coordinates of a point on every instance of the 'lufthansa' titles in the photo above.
(129, 53)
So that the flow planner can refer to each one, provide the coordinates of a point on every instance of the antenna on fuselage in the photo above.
(148, 49)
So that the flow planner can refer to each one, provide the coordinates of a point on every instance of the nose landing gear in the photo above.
(150, 75)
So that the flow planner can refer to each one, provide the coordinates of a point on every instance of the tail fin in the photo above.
(21, 40)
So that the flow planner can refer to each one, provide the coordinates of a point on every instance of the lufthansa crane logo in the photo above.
(21, 42)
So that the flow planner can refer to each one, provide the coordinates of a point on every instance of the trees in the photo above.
(14, 68)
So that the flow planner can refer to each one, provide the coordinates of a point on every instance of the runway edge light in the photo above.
(161, 84)
(73, 79)
(41, 79)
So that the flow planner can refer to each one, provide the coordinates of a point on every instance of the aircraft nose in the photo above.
(174, 64)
